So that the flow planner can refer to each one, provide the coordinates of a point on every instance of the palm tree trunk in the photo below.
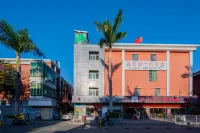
(18, 84)
(110, 81)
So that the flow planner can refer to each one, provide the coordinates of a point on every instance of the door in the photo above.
(45, 113)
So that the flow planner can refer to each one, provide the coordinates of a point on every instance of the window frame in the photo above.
(153, 75)
(93, 91)
(93, 55)
(133, 55)
(155, 91)
(151, 57)
(93, 74)
(137, 91)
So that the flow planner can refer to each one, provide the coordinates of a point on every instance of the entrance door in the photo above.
(45, 113)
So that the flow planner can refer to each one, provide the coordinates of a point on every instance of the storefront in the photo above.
(144, 106)
(152, 110)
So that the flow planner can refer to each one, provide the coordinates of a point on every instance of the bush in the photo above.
(10, 116)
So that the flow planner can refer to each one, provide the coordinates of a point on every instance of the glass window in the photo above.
(35, 72)
(93, 92)
(39, 65)
(93, 74)
(41, 92)
(50, 93)
(153, 57)
(54, 94)
(36, 85)
(45, 92)
(137, 92)
(157, 92)
(135, 57)
(93, 55)
(152, 75)
(33, 64)
(32, 92)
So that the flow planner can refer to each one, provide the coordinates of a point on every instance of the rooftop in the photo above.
(152, 47)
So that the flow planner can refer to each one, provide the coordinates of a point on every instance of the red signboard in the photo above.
(165, 99)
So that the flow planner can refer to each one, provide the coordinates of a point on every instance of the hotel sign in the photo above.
(145, 65)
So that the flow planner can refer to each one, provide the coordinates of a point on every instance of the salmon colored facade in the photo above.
(179, 65)
(147, 79)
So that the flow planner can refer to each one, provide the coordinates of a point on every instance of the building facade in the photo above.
(146, 78)
(196, 83)
(43, 91)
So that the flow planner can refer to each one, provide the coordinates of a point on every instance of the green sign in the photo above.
(80, 38)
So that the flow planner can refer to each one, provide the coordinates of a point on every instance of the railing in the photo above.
(187, 118)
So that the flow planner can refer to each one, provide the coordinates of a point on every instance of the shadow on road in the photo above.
(38, 125)
(125, 125)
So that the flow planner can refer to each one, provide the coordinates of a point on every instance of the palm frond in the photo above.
(110, 32)
(119, 36)
(5, 41)
(98, 26)
(117, 21)
(107, 32)
(31, 47)
(26, 44)
(7, 35)
(102, 42)
(36, 51)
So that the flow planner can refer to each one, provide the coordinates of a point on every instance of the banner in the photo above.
(145, 65)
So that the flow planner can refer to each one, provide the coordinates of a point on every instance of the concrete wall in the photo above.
(82, 65)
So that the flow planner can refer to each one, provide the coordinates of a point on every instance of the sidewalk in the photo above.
(146, 121)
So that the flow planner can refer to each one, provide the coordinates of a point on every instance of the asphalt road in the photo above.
(66, 127)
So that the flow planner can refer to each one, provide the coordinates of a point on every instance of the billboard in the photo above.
(81, 37)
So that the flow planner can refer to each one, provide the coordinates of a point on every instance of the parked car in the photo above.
(67, 116)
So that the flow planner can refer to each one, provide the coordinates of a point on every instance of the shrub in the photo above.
(10, 116)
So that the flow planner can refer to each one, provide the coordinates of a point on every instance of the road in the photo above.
(66, 127)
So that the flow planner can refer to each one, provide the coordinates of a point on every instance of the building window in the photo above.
(36, 86)
(152, 75)
(93, 74)
(36, 92)
(35, 72)
(93, 55)
(137, 92)
(157, 92)
(49, 74)
(153, 57)
(135, 57)
(93, 92)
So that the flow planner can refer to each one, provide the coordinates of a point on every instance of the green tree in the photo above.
(7, 75)
(111, 35)
(20, 42)
(7, 79)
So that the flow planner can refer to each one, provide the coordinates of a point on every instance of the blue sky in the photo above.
(51, 23)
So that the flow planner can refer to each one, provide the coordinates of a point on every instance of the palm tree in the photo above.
(20, 42)
(110, 36)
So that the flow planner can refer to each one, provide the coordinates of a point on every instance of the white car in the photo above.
(67, 116)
